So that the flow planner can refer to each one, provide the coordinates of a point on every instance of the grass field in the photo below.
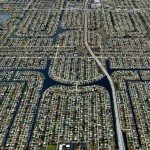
(51, 147)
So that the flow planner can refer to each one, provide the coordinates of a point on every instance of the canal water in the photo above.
(4, 17)
(49, 82)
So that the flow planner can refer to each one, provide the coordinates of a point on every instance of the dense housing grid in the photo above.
(74, 74)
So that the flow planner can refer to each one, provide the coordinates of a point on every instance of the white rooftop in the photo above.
(96, 1)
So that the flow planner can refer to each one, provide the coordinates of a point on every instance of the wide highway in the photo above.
(119, 131)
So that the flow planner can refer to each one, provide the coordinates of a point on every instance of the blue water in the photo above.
(59, 29)
(4, 17)
(49, 82)
(16, 110)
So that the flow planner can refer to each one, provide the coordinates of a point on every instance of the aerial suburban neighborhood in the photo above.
(74, 74)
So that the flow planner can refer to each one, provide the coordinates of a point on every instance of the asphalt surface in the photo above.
(119, 131)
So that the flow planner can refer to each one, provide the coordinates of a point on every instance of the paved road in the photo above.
(27, 8)
(119, 131)
(81, 9)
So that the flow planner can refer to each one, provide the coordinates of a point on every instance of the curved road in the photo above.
(119, 131)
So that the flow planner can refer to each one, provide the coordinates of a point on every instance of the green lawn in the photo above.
(80, 49)
(51, 147)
